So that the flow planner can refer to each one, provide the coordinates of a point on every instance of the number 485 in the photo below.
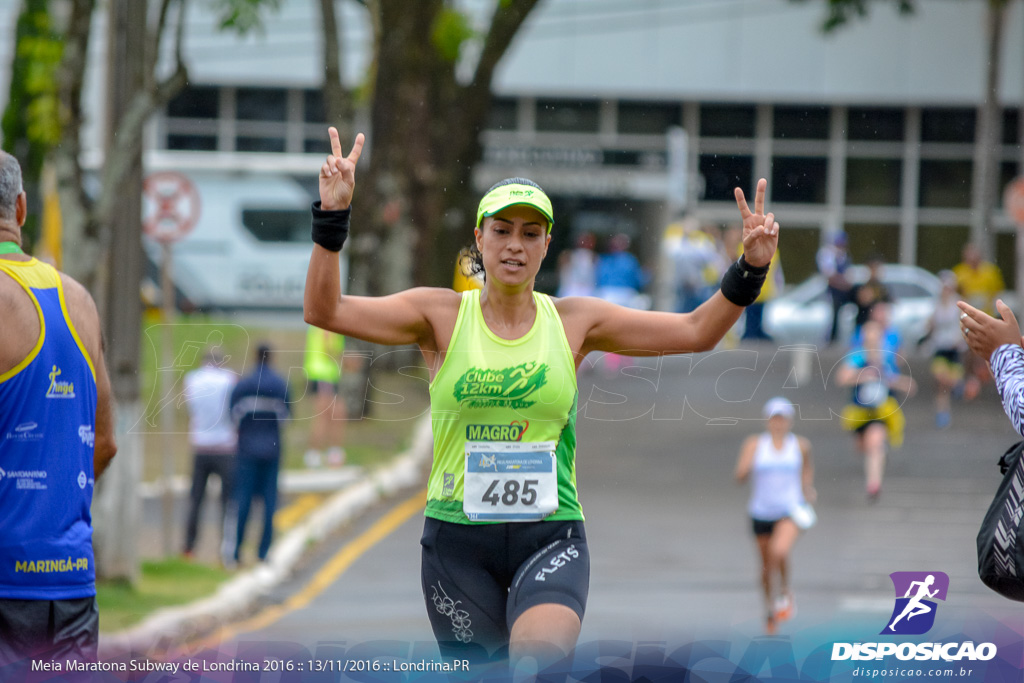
(511, 493)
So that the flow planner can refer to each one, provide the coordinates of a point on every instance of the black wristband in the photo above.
(330, 228)
(741, 284)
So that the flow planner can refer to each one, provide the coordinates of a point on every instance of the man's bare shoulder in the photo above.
(20, 331)
(83, 312)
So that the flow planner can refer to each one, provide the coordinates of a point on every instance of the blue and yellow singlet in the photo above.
(47, 436)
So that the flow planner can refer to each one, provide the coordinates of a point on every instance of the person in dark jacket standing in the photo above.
(259, 404)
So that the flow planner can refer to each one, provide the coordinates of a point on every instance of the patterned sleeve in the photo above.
(1008, 369)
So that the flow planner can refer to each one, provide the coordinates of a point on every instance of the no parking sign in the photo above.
(170, 206)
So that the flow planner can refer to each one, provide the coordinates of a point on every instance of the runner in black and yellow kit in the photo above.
(505, 558)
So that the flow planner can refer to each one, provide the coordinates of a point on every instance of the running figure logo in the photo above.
(914, 613)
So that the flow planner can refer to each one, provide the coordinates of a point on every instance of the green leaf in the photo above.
(451, 29)
(243, 16)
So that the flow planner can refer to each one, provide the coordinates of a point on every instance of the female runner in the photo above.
(778, 463)
(504, 552)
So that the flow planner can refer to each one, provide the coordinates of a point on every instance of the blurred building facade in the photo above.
(871, 130)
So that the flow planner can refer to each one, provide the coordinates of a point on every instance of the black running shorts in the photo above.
(478, 579)
(52, 630)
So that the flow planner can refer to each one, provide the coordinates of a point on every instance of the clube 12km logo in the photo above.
(913, 614)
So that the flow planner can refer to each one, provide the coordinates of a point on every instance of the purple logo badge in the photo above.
(916, 592)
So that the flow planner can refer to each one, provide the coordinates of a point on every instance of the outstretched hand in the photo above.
(338, 174)
(983, 333)
(760, 231)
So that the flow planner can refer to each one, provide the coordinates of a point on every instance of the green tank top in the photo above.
(508, 394)
(322, 360)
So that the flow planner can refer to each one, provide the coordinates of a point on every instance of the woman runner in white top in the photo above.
(778, 463)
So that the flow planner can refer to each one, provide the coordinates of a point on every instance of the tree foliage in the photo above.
(840, 12)
(244, 16)
(429, 101)
(31, 123)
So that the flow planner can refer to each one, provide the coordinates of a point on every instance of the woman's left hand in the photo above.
(760, 231)
(983, 333)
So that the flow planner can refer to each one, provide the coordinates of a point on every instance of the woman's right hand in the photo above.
(338, 174)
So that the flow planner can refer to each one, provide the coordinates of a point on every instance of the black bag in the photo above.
(1001, 537)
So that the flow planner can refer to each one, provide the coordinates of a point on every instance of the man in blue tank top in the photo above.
(56, 437)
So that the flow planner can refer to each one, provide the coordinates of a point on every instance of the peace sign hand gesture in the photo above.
(760, 232)
(338, 174)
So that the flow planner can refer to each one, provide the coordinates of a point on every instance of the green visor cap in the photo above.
(510, 195)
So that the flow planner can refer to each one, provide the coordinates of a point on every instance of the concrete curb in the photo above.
(170, 626)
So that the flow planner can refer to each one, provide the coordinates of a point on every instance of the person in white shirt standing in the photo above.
(778, 463)
(214, 443)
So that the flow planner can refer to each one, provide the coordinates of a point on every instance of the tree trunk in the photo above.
(117, 524)
(79, 234)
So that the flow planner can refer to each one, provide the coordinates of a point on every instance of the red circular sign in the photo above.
(1013, 201)
(170, 206)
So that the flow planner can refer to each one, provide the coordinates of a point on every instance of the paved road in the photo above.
(673, 560)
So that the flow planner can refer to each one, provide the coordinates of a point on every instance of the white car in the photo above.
(804, 314)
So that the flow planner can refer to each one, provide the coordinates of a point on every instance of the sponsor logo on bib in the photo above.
(510, 432)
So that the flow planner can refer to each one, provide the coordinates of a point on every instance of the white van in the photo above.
(249, 247)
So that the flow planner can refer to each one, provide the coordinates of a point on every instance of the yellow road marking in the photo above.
(328, 574)
(288, 517)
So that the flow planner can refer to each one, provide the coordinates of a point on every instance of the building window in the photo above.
(648, 118)
(941, 246)
(870, 124)
(195, 102)
(568, 116)
(947, 125)
(723, 173)
(945, 184)
(261, 104)
(873, 182)
(801, 180)
(867, 240)
(314, 109)
(318, 145)
(249, 143)
(801, 123)
(503, 114)
(1011, 126)
(727, 121)
(277, 225)
(192, 143)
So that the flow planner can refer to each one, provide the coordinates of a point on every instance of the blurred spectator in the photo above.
(947, 348)
(213, 439)
(465, 279)
(619, 276)
(259, 404)
(577, 268)
(833, 262)
(979, 281)
(322, 363)
(697, 267)
(871, 291)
